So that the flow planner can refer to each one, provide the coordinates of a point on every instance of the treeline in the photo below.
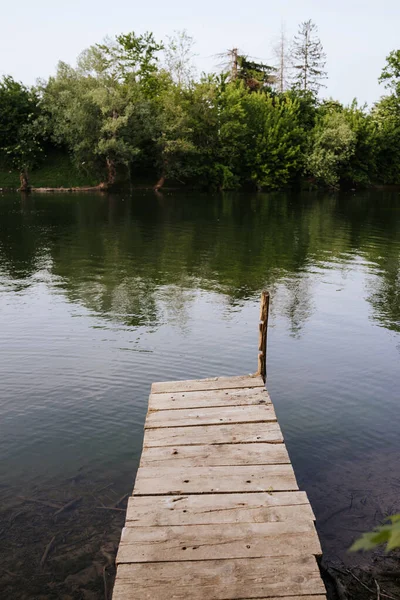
(134, 107)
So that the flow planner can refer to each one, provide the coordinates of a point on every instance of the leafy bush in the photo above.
(385, 534)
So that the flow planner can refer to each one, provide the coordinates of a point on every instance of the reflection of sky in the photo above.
(75, 370)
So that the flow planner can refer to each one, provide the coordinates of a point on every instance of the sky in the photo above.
(356, 35)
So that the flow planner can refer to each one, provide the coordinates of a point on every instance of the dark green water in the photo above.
(102, 295)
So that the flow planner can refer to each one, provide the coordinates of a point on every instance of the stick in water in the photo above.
(69, 504)
(120, 501)
(44, 502)
(47, 551)
(105, 582)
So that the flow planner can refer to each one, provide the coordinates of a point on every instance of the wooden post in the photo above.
(262, 340)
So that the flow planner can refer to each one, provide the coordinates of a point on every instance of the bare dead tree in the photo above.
(283, 61)
(178, 57)
(229, 62)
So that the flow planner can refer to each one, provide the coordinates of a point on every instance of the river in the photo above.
(100, 295)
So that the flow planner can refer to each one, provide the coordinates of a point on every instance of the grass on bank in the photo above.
(56, 171)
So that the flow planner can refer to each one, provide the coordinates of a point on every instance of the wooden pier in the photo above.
(216, 513)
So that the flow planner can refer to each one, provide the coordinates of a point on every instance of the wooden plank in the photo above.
(214, 383)
(213, 434)
(215, 455)
(205, 480)
(210, 416)
(319, 597)
(220, 579)
(218, 508)
(209, 398)
(217, 541)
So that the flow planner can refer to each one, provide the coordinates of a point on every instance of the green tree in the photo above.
(73, 119)
(21, 143)
(387, 154)
(174, 146)
(204, 113)
(386, 116)
(127, 57)
(361, 168)
(231, 135)
(256, 75)
(390, 75)
(246, 138)
(273, 141)
(333, 144)
(104, 116)
(126, 70)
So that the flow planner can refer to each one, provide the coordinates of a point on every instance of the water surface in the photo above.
(100, 295)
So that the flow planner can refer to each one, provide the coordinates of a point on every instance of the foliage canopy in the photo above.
(133, 105)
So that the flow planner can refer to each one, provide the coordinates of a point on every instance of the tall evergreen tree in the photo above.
(309, 59)
(256, 75)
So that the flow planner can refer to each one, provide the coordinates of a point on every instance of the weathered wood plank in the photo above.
(210, 416)
(215, 455)
(215, 383)
(213, 434)
(220, 579)
(209, 398)
(217, 541)
(205, 480)
(218, 508)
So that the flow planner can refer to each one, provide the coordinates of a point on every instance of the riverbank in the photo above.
(376, 577)
(59, 175)
(57, 172)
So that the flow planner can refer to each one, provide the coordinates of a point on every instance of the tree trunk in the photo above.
(159, 183)
(24, 181)
(111, 171)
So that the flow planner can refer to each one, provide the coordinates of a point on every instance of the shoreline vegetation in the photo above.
(134, 110)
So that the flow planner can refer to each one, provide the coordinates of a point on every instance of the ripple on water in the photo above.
(99, 298)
